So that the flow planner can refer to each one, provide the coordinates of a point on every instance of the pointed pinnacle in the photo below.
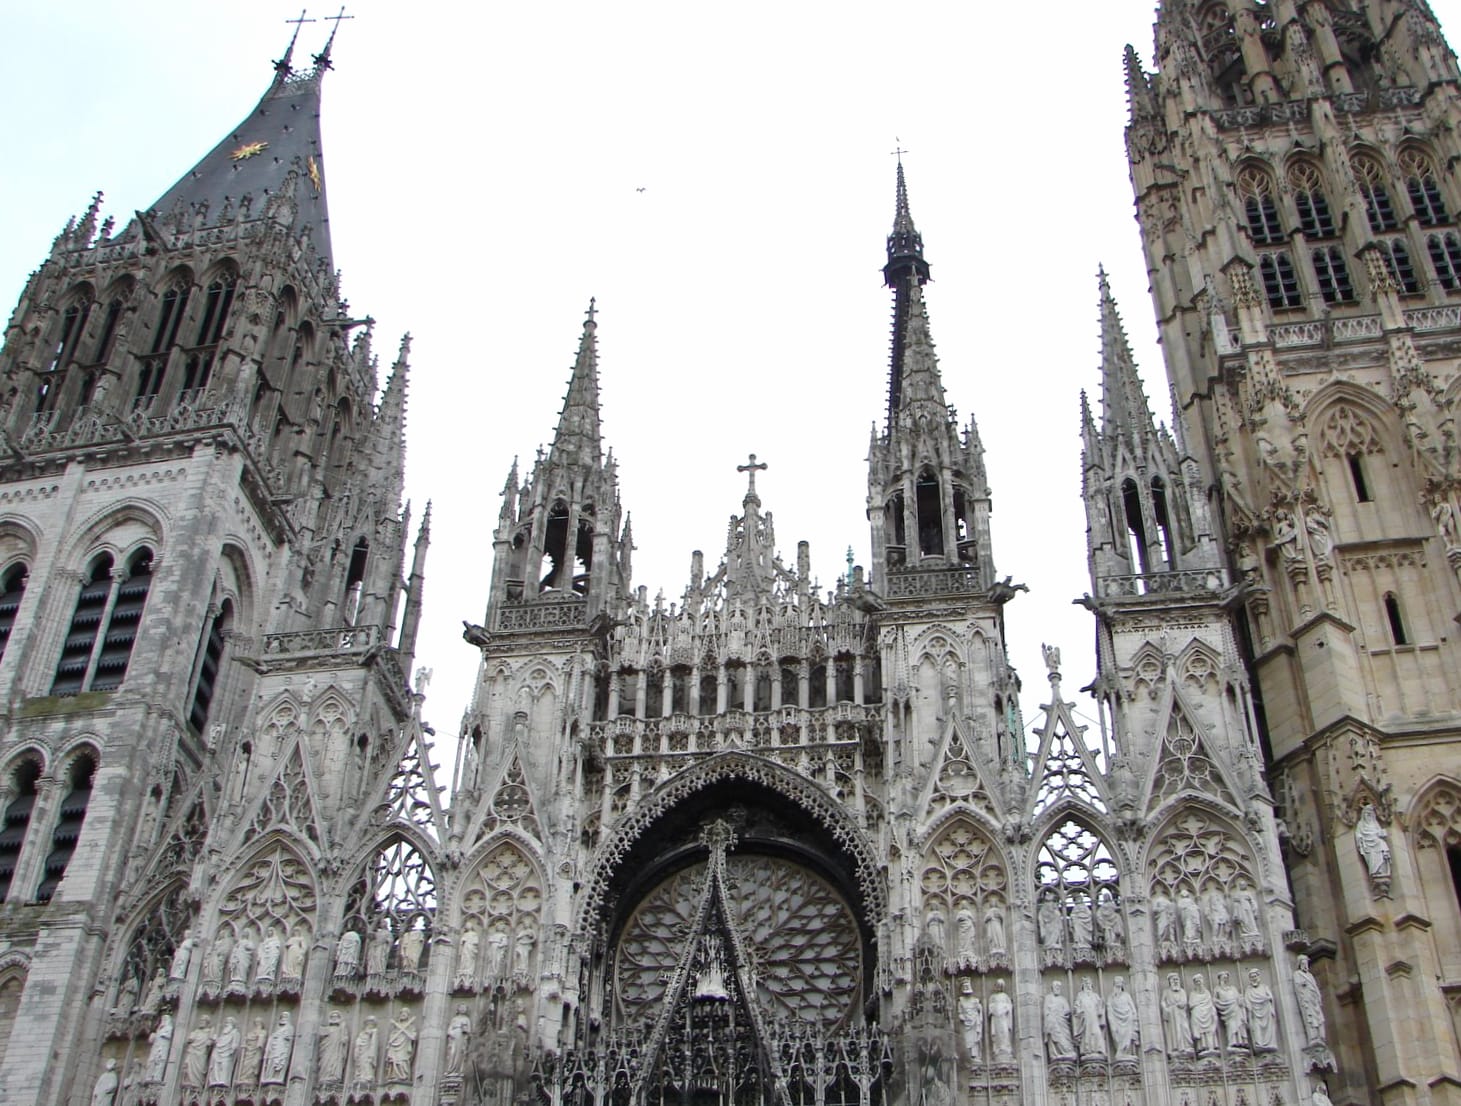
(580, 416)
(902, 217)
(1124, 407)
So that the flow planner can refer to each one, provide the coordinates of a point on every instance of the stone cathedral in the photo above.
(760, 844)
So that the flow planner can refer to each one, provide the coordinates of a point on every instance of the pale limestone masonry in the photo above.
(756, 843)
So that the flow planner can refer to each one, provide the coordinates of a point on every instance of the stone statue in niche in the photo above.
(1219, 918)
(278, 1051)
(127, 992)
(195, 1053)
(1082, 924)
(215, 964)
(1311, 1013)
(1055, 1011)
(1262, 1013)
(347, 954)
(965, 938)
(225, 1054)
(251, 1059)
(935, 929)
(1050, 923)
(334, 1047)
(1090, 1023)
(182, 956)
(522, 956)
(413, 941)
(296, 950)
(1231, 1011)
(1001, 1024)
(1245, 913)
(1374, 849)
(1320, 1097)
(161, 1046)
(401, 1047)
(1164, 923)
(104, 1090)
(365, 1053)
(1109, 927)
(466, 976)
(1122, 1017)
(378, 952)
(497, 942)
(1175, 1021)
(1190, 917)
(240, 961)
(152, 997)
(458, 1038)
(270, 949)
(1204, 1018)
(994, 939)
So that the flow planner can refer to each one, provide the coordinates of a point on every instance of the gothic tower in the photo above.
(203, 691)
(1292, 163)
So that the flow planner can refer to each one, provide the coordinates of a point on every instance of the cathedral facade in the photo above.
(761, 844)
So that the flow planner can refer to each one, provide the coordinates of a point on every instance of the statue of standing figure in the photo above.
(225, 1054)
(347, 954)
(1262, 1013)
(458, 1037)
(965, 939)
(270, 949)
(401, 1047)
(1123, 1019)
(1203, 1013)
(971, 1021)
(296, 950)
(1059, 1044)
(182, 956)
(278, 1051)
(1231, 1012)
(195, 1053)
(104, 1090)
(466, 976)
(1311, 1003)
(1175, 1021)
(251, 1058)
(365, 1053)
(378, 952)
(994, 929)
(1374, 848)
(1001, 1024)
(1090, 1022)
(333, 1049)
(157, 1055)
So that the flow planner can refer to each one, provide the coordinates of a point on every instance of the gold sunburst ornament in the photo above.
(248, 150)
(314, 173)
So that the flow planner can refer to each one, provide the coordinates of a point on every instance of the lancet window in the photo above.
(355, 581)
(1204, 902)
(95, 658)
(17, 818)
(1424, 191)
(1370, 176)
(210, 657)
(966, 897)
(1316, 219)
(930, 515)
(1398, 263)
(393, 907)
(69, 819)
(1332, 271)
(1078, 901)
(501, 903)
(1260, 208)
(1445, 252)
(156, 938)
(12, 591)
(266, 924)
(1280, 279)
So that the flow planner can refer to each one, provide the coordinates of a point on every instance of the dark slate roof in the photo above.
(279, 137)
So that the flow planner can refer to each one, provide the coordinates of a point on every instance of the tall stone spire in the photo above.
(1124, 407)
(578, 435)
(905, 272)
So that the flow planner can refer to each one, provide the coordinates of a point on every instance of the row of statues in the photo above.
(255, 960)
(356, 951)
(971, 938)
(1079, 925)
(1216, 922)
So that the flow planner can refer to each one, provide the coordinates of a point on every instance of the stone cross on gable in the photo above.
(751, 467)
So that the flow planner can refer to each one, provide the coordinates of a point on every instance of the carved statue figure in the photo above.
(971, 1019)
(1175, 1022)
(458, 1037)
(104, 1090)
(1059, 1045)
(1219, 918)
(1001, 1024)
(966, 938)
(1231, 1011)
(1090, 1022)
(467, 957)
(240, 960)
(1109, 926)
(182, 956)
(1245, 910)
(1320, 541)
(497, 942)
(152, 997)
(1320, 1097)
(278, 1051)
(225, 1054)
(215, 964)
(251, 1056)
(1311, 1003)
(522, 955)
(1082, 924)
(1373, 845)
(413, 941)
(378, 952)
(1191, 918)
(333, 1049)
(1122, 1017)
(269, 951)
(994, 929)
(195, 1053)
(296, 950)
(127, 992)
(347, 954)
(934, 926)
(1204, 1017)
(1164, 920)
(1262, 1015)
(365, 1054)
(1051, 924)
(401, 1047)
(157, 1055)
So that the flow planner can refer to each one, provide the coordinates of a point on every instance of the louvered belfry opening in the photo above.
(68, 826)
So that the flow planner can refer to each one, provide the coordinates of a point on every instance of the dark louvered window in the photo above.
(16, 822)
(208, 664)
(1445, 251)
(121, 632)
(95, 658)
(12, 590)
(1332, 271)
(91, 608)
(69, 820)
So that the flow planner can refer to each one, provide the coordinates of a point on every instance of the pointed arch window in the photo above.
(1379, 209)
(108, 336)
(930, 514)
(1445, 251)
(73, 323)
(1280, 279)
(395, 895)
(1078, 897)
(1332, 271)
(17, 821)
(1396, 620)
(1315, 218)
(69, 820)
(216, 304)
(1397, 262)
(170, 311)
(555, 545)
(1260, 208)
(1425, 193)
(355, 581)
(1136, 536)
(210, 658)
(104, 625)
(12, 591)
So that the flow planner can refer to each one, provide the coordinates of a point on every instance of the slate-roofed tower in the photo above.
(1293, 165)
(203, 560)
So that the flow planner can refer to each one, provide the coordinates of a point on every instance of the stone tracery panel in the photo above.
(501, 903)
(1078, 913)
(1438, 820)
(391, 909)
(965, 888)
(1204, 902)
(264, 921)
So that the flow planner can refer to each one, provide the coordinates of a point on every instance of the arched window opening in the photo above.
(1379, 209)
(121, 631)
(555, 546)
(583, 556)
(16, 822)
(654, 692)
(1424, 192)
(69, 820)
(1357, 477)
(1136, 543)
(1078, 895)
(393, 907)
(1398, 635)
(735, 683)
(845, 684)
(216, 304)
(1280, 280)
(1315, 218)
(1260, 209)
(1332, 271)
(762, 698)
(169, 317)
(930, 515)
(73, 322)
(12, 591)
(209, 660)
(1445, 251)
(1453, 861)
(355, 581)
(963, 532)
(790, 685)
(679, 690)
(1397, 260)
(86, 619)
(895, 527)
(628, 687)
(1164, 520)
(601, 695)
(108, 336)
(707, 692)
(817, 692)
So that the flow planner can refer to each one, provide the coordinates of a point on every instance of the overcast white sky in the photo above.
(484, 166)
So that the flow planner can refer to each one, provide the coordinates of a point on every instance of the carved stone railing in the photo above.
(1434, 318)
(1191, 581)
(1297, 111)
(1296, 334)
(688, 734)
(908, 583)
(543, 613)
(1320, 332)
(1360, 326)
(339, 639)
(89, 426)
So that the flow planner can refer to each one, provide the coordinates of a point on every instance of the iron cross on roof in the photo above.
(750, 467)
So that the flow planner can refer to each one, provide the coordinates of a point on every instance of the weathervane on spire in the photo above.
(898, 150)
(751, 467)
(322, 59)
(285, 64)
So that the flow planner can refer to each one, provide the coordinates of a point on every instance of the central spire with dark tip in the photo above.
(906, 269)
